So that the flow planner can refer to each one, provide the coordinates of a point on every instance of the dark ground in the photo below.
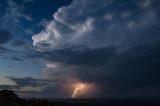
(9, 98)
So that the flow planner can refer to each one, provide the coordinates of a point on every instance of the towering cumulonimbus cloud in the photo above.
(96, 24)
(105, 42)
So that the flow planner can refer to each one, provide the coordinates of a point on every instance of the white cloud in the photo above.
(82, 24)
(43, 23)
(52, 65)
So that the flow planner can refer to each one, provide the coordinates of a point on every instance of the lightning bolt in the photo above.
(80, 87)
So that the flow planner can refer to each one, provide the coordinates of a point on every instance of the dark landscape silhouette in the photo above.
(9, 98)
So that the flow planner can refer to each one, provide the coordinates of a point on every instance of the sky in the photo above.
(111, 46)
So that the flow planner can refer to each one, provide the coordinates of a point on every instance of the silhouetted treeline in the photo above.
(9, 98)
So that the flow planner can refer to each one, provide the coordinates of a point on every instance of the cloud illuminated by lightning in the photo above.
(79, 87)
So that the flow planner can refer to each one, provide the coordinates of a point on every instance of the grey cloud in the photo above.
(4, 36)
(121, 54)
(17, 59)
(11, 29)
(11, 18)
(28, 81)
(30, 86)
(18, 43)
(126, 72)
(80, 56)
(123, 73)
(28, 1)
(6, 86)
(5, 50)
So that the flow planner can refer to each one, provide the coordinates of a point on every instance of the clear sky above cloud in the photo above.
(48, 46)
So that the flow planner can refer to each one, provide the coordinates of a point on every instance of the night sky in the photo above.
(112, 46)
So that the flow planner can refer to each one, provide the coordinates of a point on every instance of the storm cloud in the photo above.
(114, 44)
